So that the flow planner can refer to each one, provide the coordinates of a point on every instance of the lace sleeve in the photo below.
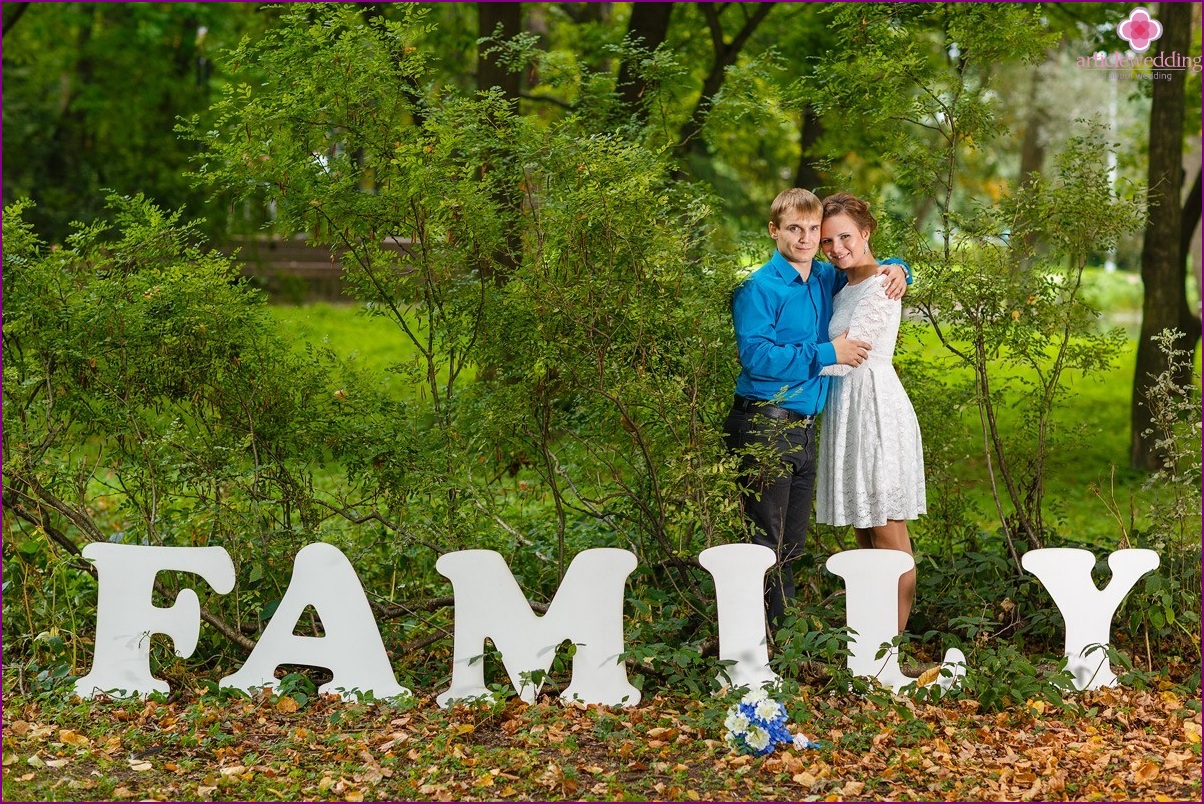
(872, 319)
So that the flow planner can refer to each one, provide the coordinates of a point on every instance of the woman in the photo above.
(871, 463)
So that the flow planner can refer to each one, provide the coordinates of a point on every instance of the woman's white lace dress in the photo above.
(871, 460)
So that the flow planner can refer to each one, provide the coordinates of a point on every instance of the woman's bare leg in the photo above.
(865, 537)
(893, 536)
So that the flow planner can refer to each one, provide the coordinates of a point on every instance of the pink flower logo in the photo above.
(1139, 30)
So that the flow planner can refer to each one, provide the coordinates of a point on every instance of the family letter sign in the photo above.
(587, 610)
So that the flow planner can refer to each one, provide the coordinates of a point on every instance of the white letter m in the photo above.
(587, 609)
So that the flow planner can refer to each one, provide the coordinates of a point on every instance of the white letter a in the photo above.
(352, 648)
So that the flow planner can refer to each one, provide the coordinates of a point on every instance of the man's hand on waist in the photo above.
(849, 351)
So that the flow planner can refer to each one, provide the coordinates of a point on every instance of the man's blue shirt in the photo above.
(781, 327)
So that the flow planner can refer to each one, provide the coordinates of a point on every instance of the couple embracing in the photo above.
(814, 335)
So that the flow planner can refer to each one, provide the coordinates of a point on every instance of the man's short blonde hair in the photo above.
(796, 199)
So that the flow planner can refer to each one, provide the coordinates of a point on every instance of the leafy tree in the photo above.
(647, 28)
(93, 91)
(990, 311)
(726, 49)
(148, 400)
(608, 363)
(1167, 237)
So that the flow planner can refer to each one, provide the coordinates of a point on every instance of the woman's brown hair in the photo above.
(852, 206)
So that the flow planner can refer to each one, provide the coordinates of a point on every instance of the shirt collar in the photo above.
(782, 267)
(787, 272)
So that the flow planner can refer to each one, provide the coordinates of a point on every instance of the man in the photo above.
(781, 314)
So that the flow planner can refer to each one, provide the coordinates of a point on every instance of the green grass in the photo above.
(1101, 406)
(375, 344)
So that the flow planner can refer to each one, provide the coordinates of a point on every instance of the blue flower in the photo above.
(757, 724)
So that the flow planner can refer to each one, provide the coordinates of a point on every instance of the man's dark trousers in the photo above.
(778, 494)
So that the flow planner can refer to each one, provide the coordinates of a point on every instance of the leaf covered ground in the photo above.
(1106, 745)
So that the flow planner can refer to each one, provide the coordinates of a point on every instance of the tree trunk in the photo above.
(1032, 148)
(1190, 323)
(500, 265)
(648, 27)
(811, 128)
(1163, 258)
(74, 144)
(726, 54)
(489, 72)
(1190, 222)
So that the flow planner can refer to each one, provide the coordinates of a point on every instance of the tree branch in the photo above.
(395, 610)
(85, 523)
(546, 99)
(375, 516)
(12, 13)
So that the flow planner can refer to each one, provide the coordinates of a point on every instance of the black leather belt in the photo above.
(771, 410)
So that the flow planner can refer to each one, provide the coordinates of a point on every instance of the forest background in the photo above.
(541, 210)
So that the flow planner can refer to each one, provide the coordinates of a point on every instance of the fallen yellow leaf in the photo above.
(1145, 773)
(852, 789)
(1191, 731)
(287, 705)
(72, 738)
(804, 778)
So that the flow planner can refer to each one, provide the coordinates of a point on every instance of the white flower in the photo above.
(757, 738)
(801, 741)
(767, 710)
(755, 696)
(736, 722)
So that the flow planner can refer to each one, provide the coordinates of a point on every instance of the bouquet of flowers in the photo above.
(757, 725)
